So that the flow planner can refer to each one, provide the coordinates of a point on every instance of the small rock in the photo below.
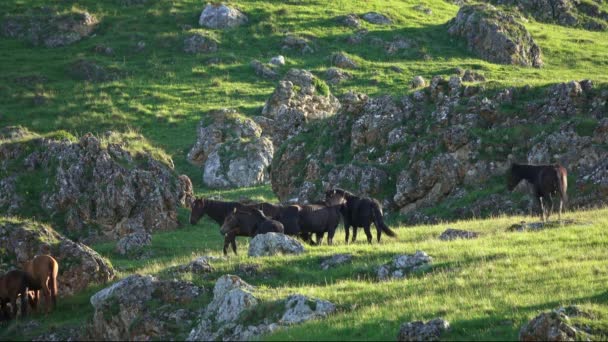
(199, 265)
(418, 82)
(277, 60)
(263, 70)
(404, 264)
(420, 331)
(336, 260)
(452, 234)
(198, 43)
(300, 309)
(220, 16)
(133, 242)
(376, 18)
(473, 76)
(553, 326)
(350, 20)
(274, 243)
(342, 61)
(336, 76)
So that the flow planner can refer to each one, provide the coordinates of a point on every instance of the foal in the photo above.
(13, 284)
(548, 180)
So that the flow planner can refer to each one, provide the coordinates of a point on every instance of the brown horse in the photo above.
(359, 212)
(249, 220)
(217, 211)
(548, 180)
(13, 284)
(44, 270)
(319, 219)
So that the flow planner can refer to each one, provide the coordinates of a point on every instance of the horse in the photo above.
(547, 180)
(251, 220)
(13, 284)
(217, 211)
(44, 270)
(318, 219)
(359, 212)
(287, 215)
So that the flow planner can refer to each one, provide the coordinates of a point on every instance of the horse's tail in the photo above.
(379, 221)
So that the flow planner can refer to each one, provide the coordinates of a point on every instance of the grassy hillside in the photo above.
(486, 288)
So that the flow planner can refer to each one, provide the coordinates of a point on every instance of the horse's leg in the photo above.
(346, 233)
(561, 206)
(368, 233)
(550, 208)
(379, 230)
(24, 302)
(542, 208)
(47, 296)
(226, 244)
(319, 238)
(330, 236)
(233, 243)
(14, 305)
(354, 234)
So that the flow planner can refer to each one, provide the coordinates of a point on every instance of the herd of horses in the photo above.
(303, 220)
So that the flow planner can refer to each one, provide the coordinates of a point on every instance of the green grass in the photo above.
(486, 288)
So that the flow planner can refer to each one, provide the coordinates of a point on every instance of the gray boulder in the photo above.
(403, 264)
(376, 18)
(220, 16)
(133, 242)
(299, 308)
(273, 244)
(341, 60)
(336, 260)
(555, 326)
(495, 36)
(453, 234)
(420, 331)
(300, 44)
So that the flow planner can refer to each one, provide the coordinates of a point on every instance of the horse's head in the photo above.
(334, 196)
(513, 177)
(197, 208)
(231, 222)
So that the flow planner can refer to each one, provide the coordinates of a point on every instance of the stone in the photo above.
(274, 244)
(343, 61)
(87, 70)
(401, 265)
(554, 326)
(335, 76)
(473, 76)
(127, 310)
(350, 20)
(198, 43)
(418, 82)
(79, 265)
(133, 242)
(336, 260)
(220, 16)
(421, 331)
(277, 60)
(291, 42)
(453, 234)
(300, 309)
(495, 36)
(264, 70)
(376, 18)
(45, 26)
(199, 265)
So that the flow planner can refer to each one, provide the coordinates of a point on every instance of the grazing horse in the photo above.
(319, 219)
(13, 284)
(217, 211)
(287, 215)
(251, 220)
(44, 270)
(359, 212)
(548, 180)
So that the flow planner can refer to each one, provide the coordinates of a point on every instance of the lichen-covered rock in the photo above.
(220, 16)
(299, 308)
(496, 36)
(376, 18)
(47, 27)
(129, 310)
(554, 326)
(101, 185)
(79, 265)
(403, 264)
(378, 117)
(350, 20)
(273, 244)
(300, 44)
(453, 234)
(341, 60)
(198, 43)
(133, 242)
(298, 99)
(335, 76)
(199, 265)
(420, 331)
(336, 260)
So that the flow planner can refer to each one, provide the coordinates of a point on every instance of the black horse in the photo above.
(548, 180)
(250, 221)
(319, 219)
(359, 212)
(217, 211)
(287, 215)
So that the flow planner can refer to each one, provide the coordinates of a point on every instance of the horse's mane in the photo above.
(344, 192)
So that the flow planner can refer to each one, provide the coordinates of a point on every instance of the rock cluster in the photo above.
(496, 36)
(47, 27)
(231, 150)
(231, 314)
(79, 265)
(273, 244)
(129, 310)
(404, 264)
(99, 181)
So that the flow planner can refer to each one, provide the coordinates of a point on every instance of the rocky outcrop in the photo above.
(47, 27)
(298, 99)
(220, 16)
(495, 36)
(556, 325)
(231, 150)
(274, 244)
(101, 187)
(130, 310)
(234, 312)
(401, 265)
(420, 331)
(79, 265)
(198, 43)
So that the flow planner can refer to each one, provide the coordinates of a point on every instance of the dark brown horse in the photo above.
(359, 212)
(250, 220)
(13, 284)
(217, 211)
(319, 219)
(547, 180)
